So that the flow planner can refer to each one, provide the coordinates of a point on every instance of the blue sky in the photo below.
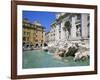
(45, 18)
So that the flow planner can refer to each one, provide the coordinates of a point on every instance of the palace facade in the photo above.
(33, 34)
(69, 27)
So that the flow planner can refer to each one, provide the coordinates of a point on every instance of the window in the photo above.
(41, 40)
(24, 38)
(42, 36)
(78, 16)
(27, 38)
(36, 35)
(88, 17)
(24, 33)
(36, 40)
(28, 33)
(88, 25)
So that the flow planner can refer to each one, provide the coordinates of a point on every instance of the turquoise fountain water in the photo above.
(42, 59)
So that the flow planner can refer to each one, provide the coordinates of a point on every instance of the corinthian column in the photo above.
(84, 26)
(73, 28)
